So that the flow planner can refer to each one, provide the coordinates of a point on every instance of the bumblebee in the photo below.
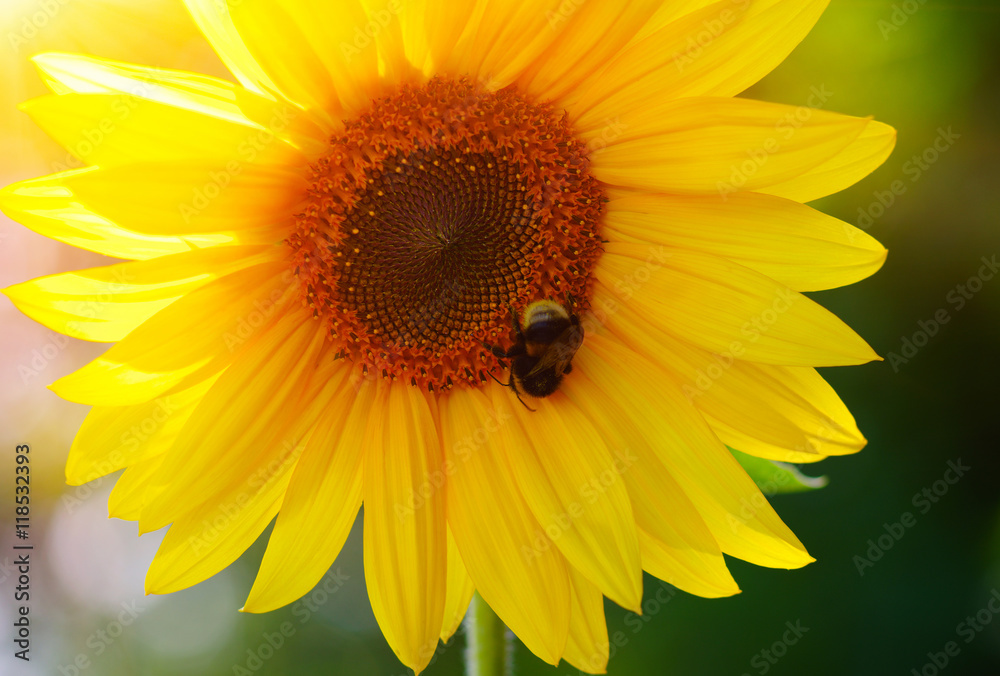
(548, 337)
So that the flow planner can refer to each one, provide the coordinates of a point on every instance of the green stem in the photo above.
(486, 651)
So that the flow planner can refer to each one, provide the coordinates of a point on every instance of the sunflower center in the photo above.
(431, 215)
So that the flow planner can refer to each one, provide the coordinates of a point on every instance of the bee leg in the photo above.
(533, 410)
(511, 385)
(490, 374)
(518, 395)
(499, 352)
(515, 351)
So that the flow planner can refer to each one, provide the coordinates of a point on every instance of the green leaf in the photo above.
(774, 477)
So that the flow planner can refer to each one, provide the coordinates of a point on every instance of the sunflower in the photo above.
(331, 264)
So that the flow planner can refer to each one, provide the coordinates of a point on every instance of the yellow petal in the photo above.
(674, 542)
(75, 73)
(189, 339)
(515, 567)
(263, 398)
(430, 30)
(180, 198)
(501, 37)
(714, 145)
(776, 412)
(217, 26)
(106, 304)
(668, 13)
(128, 496)
(460, 591)
(111, 438)
(227, 516)
(793, 244)
(202, 544)
(307, 48)
(384, 35)
(321, 503)
(115, 129)
(405, 528)
(802, 397)
(574, 487)
(735, 511)
(580, 40)
(49, 208)
(305, 52)
(844, 169)
(716, 50)
(587, 646)
(405, 539)
(152, 31)
(696, 571)
(721, 306)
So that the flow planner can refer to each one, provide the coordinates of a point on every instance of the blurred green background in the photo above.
(932, 70)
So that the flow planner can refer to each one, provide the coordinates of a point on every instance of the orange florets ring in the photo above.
(432, 212)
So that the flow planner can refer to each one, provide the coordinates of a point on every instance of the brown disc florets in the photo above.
(434, 211)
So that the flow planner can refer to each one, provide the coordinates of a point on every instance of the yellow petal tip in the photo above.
(253, 605)
(802, 562)
(722, 592)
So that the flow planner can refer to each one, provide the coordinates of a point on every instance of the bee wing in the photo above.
(561, 352)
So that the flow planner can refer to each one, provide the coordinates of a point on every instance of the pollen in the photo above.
(432, 214)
